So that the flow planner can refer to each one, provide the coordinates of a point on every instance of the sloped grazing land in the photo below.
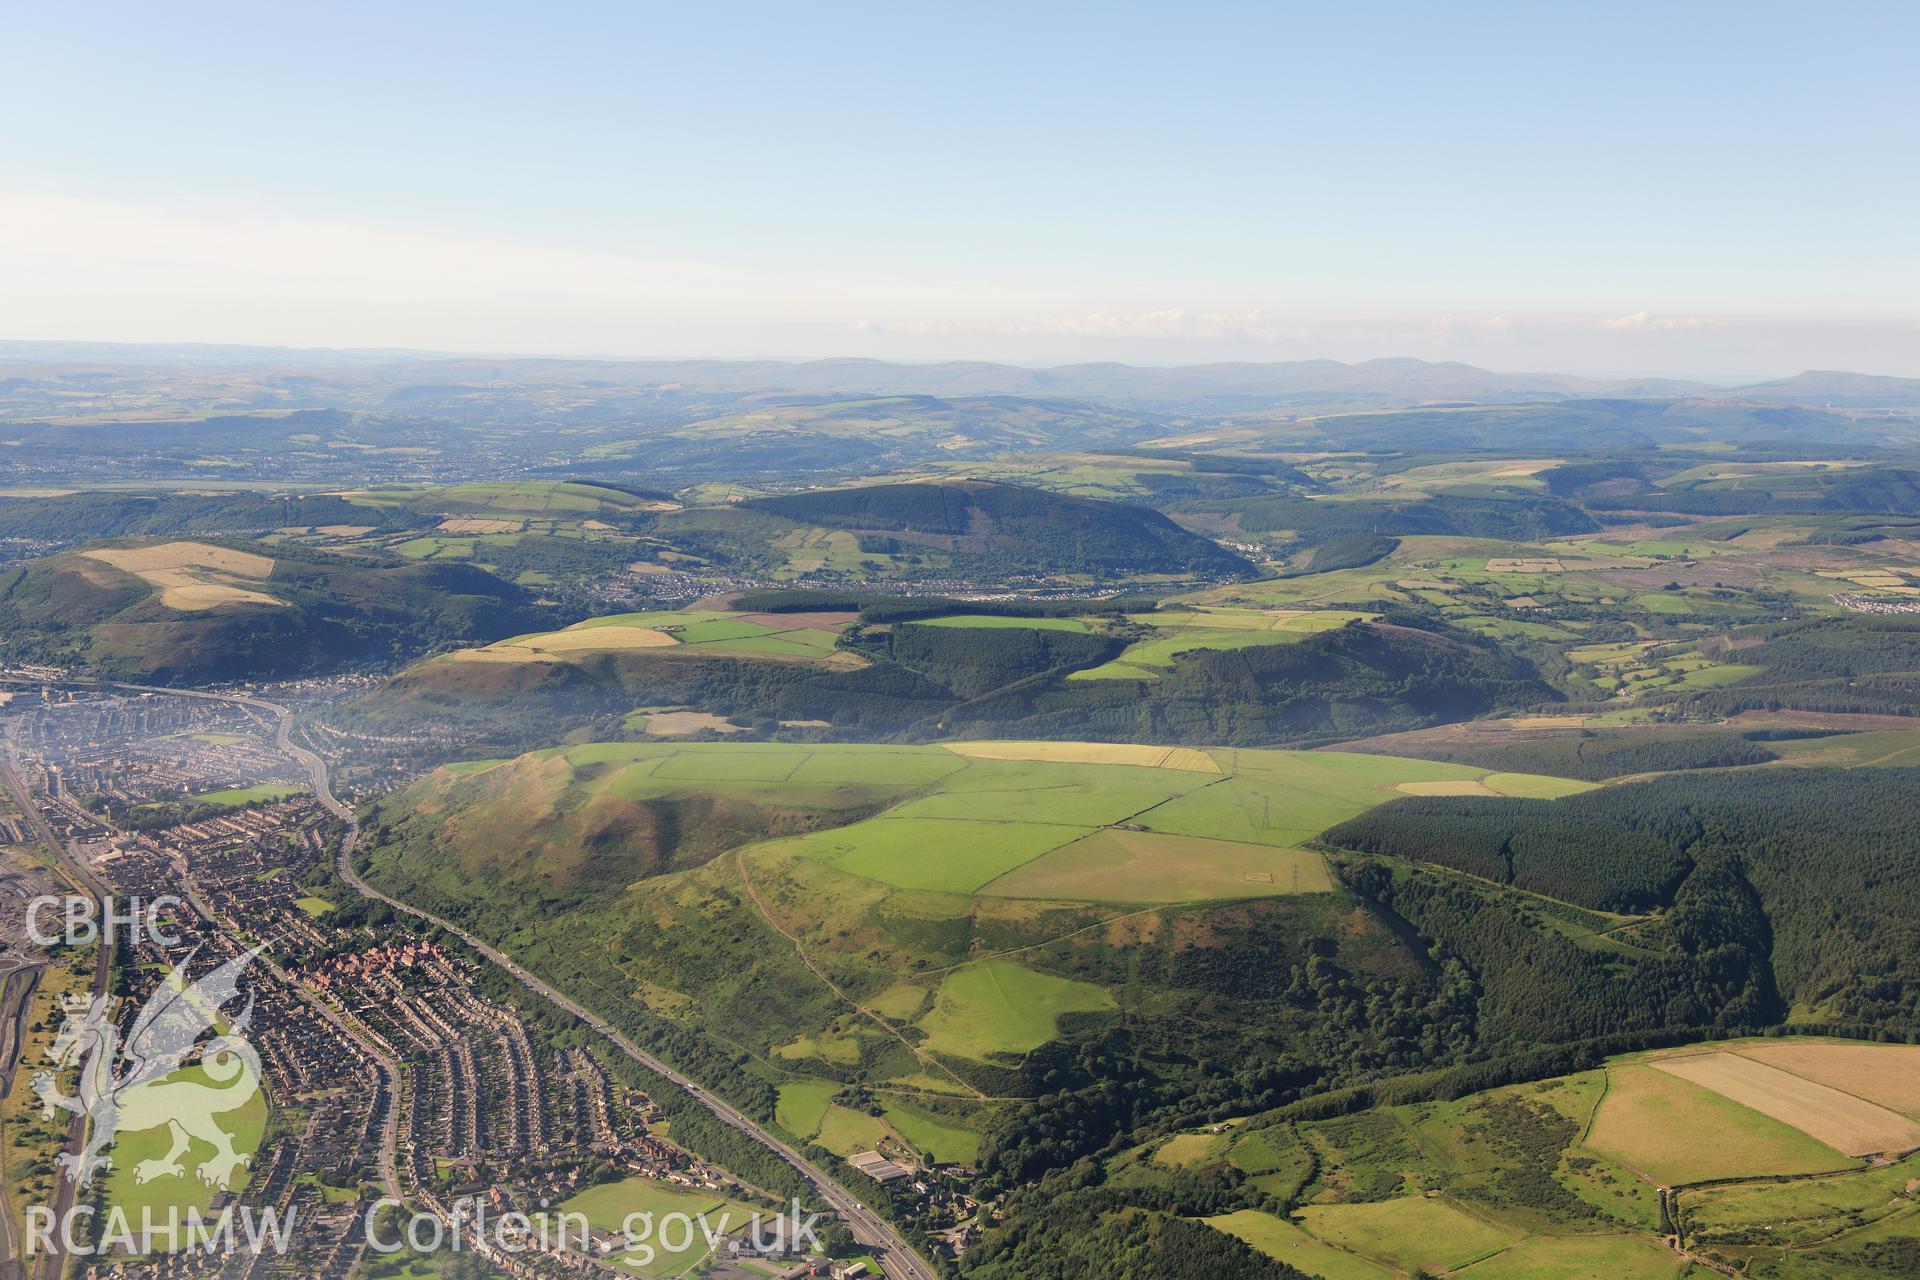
(979, 909)
(951, 819)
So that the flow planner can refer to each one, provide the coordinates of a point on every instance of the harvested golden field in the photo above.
(1090, 753)
(344, 530)
(667, 724)
(1888, 1074)
(1454, 787)
(1848, 1124)
(185, 555)
(480, 524)
(1670, 1130)
(193, 575)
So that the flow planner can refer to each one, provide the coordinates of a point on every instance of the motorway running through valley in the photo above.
(895, 1256)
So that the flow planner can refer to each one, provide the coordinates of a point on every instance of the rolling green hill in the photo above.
(983, 899)
(1230, 675)
(196, 611)
(1047, 952)
(1000, 529)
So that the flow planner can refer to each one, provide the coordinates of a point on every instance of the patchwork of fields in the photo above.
(878, 861)
(194, 575)
(1089, 822)
(1564, 1178)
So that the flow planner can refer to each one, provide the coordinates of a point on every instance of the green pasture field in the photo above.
(702, 630)
(235, 797)
(902, 1001)
(1189, 1150)
(840, 1050)
(1186, 631)
(844, 1131)
(1278, 803)
(1882, 747)
(997, 1007)
(813, 550)
(1807, 1211)
(1140, 866)
(1409, 1232)
(993, 620)
(1040, 828)
(1596, 1257)
(944, 855)
(803, 1105)
(946, 1142)
(1278, 1238)
(1082, 795)
(1535, 786)
(433, 547)
(1273, 1161)
(507, 497)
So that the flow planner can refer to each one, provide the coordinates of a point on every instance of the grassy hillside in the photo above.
(985, 911)
(571, 499)
(1027, 954)
(1236, 675)
(186, 610)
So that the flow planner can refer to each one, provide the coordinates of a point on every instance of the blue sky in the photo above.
(1723, 189)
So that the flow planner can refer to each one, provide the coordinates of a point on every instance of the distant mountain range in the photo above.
(258, 377)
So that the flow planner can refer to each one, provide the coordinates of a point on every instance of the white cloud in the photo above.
(1647, 320)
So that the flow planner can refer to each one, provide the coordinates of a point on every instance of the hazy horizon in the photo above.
(1709, 193)
(373, 354)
